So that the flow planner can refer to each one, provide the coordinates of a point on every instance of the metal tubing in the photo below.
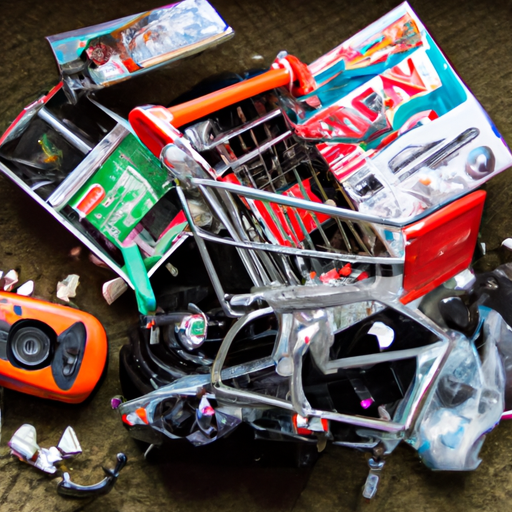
(87, 167)
(294, 202)
(306, 253)
(258, 279)
(214, 278)
(382, 357)
(76, 141)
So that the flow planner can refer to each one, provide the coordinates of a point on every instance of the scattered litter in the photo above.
(24, 445)
(113, 289)
(10, 279)
(26, 289)
(67, 288)
(69, 445)
(507, 243)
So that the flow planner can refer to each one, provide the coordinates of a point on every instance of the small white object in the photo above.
(26, 289)
(154, 335)
(205, 407)
(464, 280)
(10, 279)
(67, 288)
(47, 459)
(385, 335)
(383, 413)
(172, 269)
(113, 289)
(24, 442)
(69, 444)
(507, 243)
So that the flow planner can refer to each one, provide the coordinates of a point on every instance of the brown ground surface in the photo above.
(475, 35)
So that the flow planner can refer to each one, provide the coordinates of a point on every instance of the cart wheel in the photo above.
(30, 347)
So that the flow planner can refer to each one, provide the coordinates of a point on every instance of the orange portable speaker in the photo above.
(48, 350)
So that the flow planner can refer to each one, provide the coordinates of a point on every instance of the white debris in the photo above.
(10, 279)
(24, 442)
(26, 289)
(385, 334)
(69, 445)
(67, 288)
(507, 243)
(113, 289)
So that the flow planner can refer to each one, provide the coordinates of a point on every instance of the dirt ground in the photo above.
(233, 476)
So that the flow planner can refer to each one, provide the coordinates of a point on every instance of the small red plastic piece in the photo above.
(346, 270)
(303, 80)
(362, 276)
(141, 413)
(329, 276)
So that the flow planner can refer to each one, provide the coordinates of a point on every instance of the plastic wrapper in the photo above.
(104, 54)
(467, 403)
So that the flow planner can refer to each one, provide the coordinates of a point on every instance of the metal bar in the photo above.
(87, 167)
(214, 278)
(258, 280)
(305, 253)
(277, 223)
(191, 110)
(333, 211)
(236, 395)
(360, 421)
(239, 130)
(76, 141)
(266, 266)
(305, 232)
(230, 336)
(262, 160)
(348, 245)
(382, 357)
(350, 225)
(253, 154)
(315, 219)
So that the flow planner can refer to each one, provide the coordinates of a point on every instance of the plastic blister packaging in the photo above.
(467, 403)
